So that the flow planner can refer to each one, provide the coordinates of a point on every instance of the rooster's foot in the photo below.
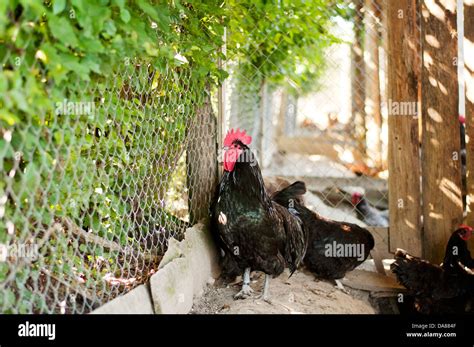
(265, 298)
(245, 292)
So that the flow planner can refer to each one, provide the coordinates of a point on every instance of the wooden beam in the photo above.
(469, 83)
(331, 146)
(404, 65)
(441, 161)
(372, 282)
(321, 184)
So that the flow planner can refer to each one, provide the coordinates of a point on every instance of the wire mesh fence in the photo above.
(94, 181)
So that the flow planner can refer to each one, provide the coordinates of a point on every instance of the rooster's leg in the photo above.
(246, 291)
(265, 295)
(340, 286)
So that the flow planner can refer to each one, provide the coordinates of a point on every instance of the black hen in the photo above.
(252, 231)
(334, 248)
(439, 289)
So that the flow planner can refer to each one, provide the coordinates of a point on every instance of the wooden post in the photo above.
(358, 81)
(372, 68)
(268, 129)
(280, 126)
(201, 161)
(441, 161)
(404, 65)
(383, 66)
(469, 83)
(280, 132)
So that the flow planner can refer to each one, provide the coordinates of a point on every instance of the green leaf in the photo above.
(91, 45)
(50, 52)
(62, 29)
(32, 5)
(160, 15)
(3, 16)
(79, 4)
(9, 296)
(71, 63)
(146, 7)
(20, 100)
(91, 63)
(59, 6)
(124, 15)
(8, 117)
(120, 3)
(110, 28)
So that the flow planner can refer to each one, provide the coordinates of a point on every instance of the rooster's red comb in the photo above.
(233, 135)
(464, 226)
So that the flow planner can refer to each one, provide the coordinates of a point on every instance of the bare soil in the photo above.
(300, 294)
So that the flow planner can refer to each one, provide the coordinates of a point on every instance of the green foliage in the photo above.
(283, 42)
(143, 67)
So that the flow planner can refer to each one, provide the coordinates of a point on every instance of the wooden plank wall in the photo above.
(404, 63)
(469, 89)
(441, 172)
(469, 83)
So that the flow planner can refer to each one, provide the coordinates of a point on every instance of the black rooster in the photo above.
(253, 232)
(439, 289)
(367, 213)
(334, 248)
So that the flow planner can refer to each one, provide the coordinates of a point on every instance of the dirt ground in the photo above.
(301, 294)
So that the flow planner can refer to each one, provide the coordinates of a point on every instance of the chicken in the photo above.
(334, 248)
(439, 289)
(253, 232)
(369, 214)
(457, 258)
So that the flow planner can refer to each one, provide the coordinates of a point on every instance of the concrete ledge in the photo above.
(172, 288)
(199, 248)
(184, 271)
(137, 301)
